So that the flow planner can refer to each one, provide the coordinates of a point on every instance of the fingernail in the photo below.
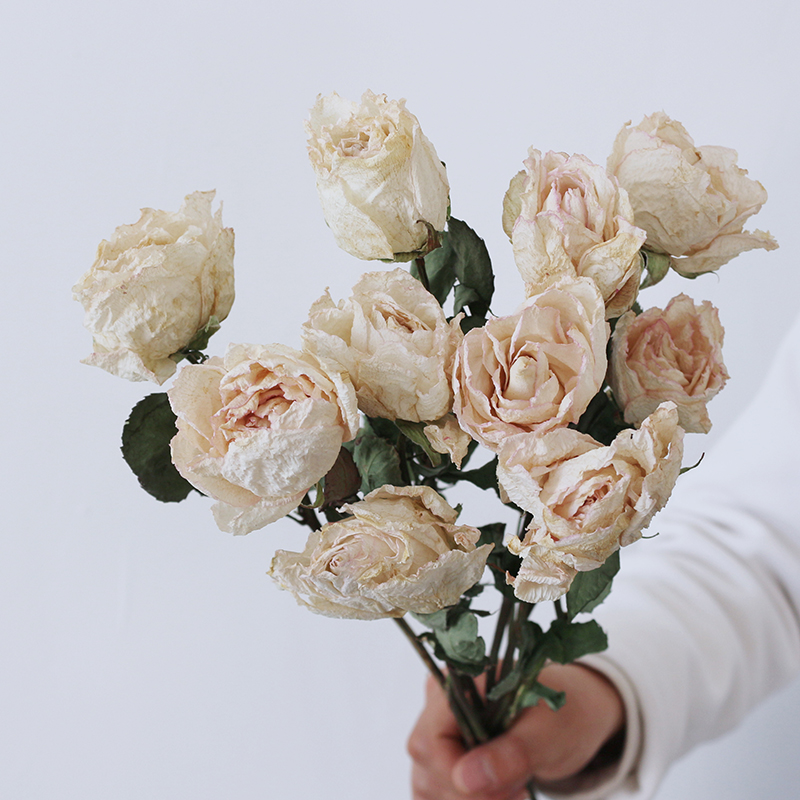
(475, 774)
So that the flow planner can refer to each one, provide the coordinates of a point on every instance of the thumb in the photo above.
(502, 764)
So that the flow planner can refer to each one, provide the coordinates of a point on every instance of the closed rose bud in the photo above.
(379, 179)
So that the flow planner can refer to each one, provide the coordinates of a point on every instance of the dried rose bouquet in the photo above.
(573, 405)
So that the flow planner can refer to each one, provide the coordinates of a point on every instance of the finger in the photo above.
(436, 738)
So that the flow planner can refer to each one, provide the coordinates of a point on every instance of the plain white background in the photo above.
(145, 654)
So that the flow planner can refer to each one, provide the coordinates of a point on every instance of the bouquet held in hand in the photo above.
(570, 408)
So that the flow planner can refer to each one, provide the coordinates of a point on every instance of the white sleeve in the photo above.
(704, 620)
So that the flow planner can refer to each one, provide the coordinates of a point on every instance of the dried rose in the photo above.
(394, 341)
(399, 551)
(692, 201)
(534, 370)
(260, 428)
(674, 354)
(586, 500)
(154, 286)
(566, 216)
(379, 179)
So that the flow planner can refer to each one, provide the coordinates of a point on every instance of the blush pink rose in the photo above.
(674, 354)
(586, 500)
(258, 429)
(566, 216)
(534, 370)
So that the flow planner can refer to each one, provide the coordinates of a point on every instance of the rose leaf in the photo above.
(538, 691)
(589, 589)
(566, 641)
(439, 267)
(473, 267)
(145, 448)
(377, 461)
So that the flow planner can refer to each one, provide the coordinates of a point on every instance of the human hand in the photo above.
(545, 745)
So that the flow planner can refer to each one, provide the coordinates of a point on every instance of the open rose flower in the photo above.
(394, 341)
(379, 179)
(674, 354)
(586, 500)
(260, 428)
(154, 286)
(566, 216)
(399, 551)
(534, 370)
(692, 201)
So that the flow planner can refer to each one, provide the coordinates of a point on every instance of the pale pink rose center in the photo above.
(359, 553)
(680, 356)
(575, 503)
(258, 398)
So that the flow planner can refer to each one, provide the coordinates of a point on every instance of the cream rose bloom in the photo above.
(534, 370)
(674, 354)
(154, 285)
(692, 201)
(258, 429)
(586, 500)
(394, 341)
(566, 216)
(378, 177)
(399, 551)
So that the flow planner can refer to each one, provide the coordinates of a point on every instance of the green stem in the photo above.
(461, 710)
(506, 610)
(422, 651)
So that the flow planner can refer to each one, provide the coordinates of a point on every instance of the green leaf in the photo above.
(484, 477)
(461, 643)
(566, 641)
(684, 470)
(473, 268)
(538, 691)
(472, 321)
(415, 432)
(377, 461)
(589, 589)
(530, 639)
(602, 419)
(500, 560)
(439, 266)
(656, 265)
(507, 684)
(434, 621)
(145, 448)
